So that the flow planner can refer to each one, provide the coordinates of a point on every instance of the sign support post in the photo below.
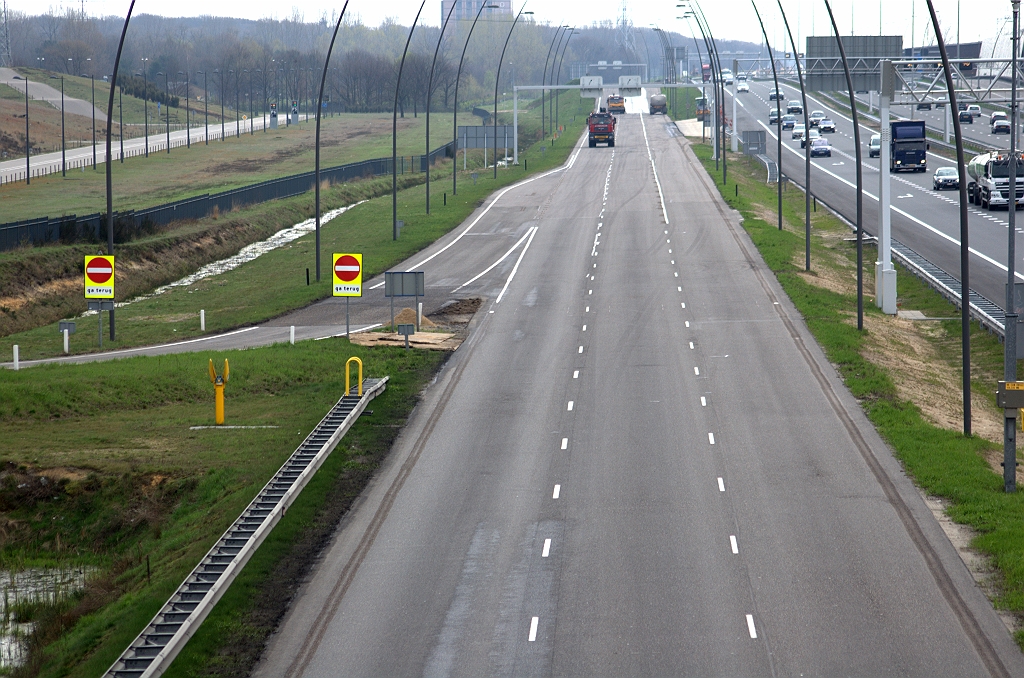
(99, 285)
(885, 274)
(347, 273)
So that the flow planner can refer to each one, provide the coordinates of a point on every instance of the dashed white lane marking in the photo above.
(590, 291)
(670, 250)
(732, 542)
(683, 304)
(666, 232)
(533, 628)
(679, 289)
(558, 490)
(696, 370)
(711, 437)
(581, 350)
(687, 322)
(691, 345)
(565, 443)
(570, 406)
(721, 485)
(546, 551)
(584, 328)
(673, 262)
(516, 267)
(677, 274)
(588, 310)
(750, 626)
(576, 374)
(667, 240)
(703, 401)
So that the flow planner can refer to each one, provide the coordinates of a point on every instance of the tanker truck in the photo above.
(990, 180)
(659, 104)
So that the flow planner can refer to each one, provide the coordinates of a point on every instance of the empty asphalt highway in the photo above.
(639, 463)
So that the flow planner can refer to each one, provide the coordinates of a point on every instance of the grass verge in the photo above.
(876, 366)
(272, 284)
(132, 489)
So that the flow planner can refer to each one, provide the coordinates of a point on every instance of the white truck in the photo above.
(659, 104)
(990, 180)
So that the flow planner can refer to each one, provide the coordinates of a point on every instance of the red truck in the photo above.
(602, 129)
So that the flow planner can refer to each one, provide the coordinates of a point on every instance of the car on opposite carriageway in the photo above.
(821, 147)
(1001, 127)
(798, 131)
(742, 86)
(945, 177)
(788, 122)
(773, 116)
(875, 146)
(826, 126)
(816, 117)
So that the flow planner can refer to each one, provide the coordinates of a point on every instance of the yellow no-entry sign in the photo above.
(99, 277)
(348, 275)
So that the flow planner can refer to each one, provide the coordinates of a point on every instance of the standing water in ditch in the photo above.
(23, 594)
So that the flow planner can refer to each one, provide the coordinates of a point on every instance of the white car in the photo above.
(798, 131)
(974, 110)
(742, 86)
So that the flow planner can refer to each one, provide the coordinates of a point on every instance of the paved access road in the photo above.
(639, 463)
(926, 220)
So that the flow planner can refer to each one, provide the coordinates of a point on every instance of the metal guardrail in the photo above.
(152, 652)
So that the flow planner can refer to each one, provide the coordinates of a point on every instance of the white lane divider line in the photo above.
(677, 274)
(581, 350)
(516, 267)
(750, 626)
(721, 485)
(590, 291)
(686, 322)
(503, 257)
(584, 328)
(488, 209)
(670, 250)
(588, 310)
(654, 168)
(703, 401)
(576, 374)
(565, 443)
(683, 304)
(558, 490)
(732, 542)
(546, 551)
(570, 406)
(696, 370)
(673, 262)
(711, 437)
(533, 628)
(691, 345)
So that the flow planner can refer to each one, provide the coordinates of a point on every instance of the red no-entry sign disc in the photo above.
(347, 268)
(99, 271)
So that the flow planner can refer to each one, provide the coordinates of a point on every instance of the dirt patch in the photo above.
(407, 316)
(433, 341)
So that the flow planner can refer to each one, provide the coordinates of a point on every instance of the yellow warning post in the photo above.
(218, 388)
(348, 389)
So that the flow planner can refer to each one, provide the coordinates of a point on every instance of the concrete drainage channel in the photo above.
(155, 648)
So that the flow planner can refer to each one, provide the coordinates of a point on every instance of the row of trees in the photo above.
(277, 61)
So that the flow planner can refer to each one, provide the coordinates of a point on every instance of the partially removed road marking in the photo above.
(516, 267)
(533, 629)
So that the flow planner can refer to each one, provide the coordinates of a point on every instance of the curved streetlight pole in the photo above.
(1010, 319)
(167, 109)
(807, 144)
(455, 107)
(188, 122)
(109, 167)
(497, 79)
(394, 129)
(714, 84)
(63, 161)
(965, 283)
(430, 91)
(860, 172)
(145, 98)
(558, 75)
(544, 79)
(551, 80)
(718, 83)
(778, 115)
(323, 79)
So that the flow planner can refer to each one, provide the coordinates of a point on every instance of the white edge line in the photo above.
(498, 197)
(516, 267)
(503, 257)
(654, 168)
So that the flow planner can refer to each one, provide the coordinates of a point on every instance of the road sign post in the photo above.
(403, 284)
(99, 285)
(348, 279)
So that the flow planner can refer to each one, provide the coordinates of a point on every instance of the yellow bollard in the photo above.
(218, 388)
(359, 384)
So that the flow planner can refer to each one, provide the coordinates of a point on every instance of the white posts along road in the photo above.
(639, 463)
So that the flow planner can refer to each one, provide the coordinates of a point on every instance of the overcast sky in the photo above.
(729, 19)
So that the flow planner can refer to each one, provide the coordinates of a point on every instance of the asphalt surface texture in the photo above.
(639, 463)
(926, 220)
